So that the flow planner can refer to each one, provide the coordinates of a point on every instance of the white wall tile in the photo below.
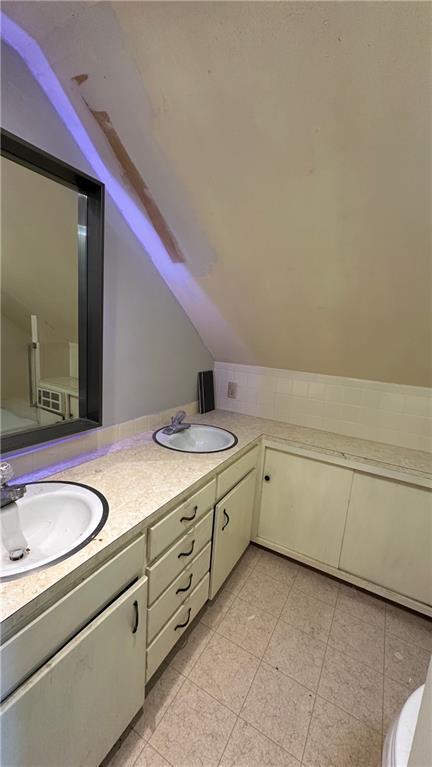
(393, 402)
(418, 405)
(399, 415)
(316, 390)
(351, 395)
(300, 388)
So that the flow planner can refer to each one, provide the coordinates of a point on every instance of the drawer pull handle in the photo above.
(182, 625)
(136, 622)
(189, 519)
(187, 553)
(227, 520)
(186, 588)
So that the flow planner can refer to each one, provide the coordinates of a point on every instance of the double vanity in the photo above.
(82, 638)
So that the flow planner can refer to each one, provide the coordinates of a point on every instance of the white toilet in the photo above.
(399, 738)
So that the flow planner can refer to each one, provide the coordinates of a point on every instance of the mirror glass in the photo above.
(39, 299)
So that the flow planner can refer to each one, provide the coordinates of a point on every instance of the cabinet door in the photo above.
(388, 536)
(72, 711)
(304, 505)
(232, 530)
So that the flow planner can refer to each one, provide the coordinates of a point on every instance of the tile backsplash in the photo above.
(32, 460)
(384, 412)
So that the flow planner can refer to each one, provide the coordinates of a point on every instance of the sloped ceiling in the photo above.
(288, 147)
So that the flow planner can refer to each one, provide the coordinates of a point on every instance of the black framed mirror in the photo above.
(51, 296)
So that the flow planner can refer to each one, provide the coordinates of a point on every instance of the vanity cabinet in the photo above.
(178, 572)
(232, 530)
(303, 505)
(177, 592)
(192, 550)
(74, 708)
(183, 518)
(388, 536)
(176, 626)
(367, 528)
(178, 556)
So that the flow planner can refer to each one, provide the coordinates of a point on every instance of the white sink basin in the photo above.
(52, 520)
(199, 438)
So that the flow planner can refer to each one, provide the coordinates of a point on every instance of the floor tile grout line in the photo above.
(280, 582)
(253, 680)
(228, 739)
(206, 692)
(194, 684)
(213, 696)
(347, 653)
(364, 620)
(351, 658)
(410, 644)
(313, 596)
(384, 664)
(319, 680)
(349, 713)
(187, 675)
(320, 695)
(260, 731)
(315, 695)
(138, 755)
(169, 704)
(228, 639)
(158, 752)
(309, 634)
(264, 735)
(259, 665)
(201, 690)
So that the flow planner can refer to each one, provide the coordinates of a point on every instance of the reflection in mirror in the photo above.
(39, 299)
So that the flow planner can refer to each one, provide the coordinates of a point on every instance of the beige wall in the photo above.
(152, 353)
(39, 238)
(39, 269)
(14, 361)
(300, 133)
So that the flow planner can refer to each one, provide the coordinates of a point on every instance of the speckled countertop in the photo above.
(141, 480)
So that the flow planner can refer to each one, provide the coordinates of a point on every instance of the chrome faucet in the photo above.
(9, 493)
(177, 423)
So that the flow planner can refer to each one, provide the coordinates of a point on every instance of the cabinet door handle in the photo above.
(227, 520)
(187, 553)
(182, 625)
(136, 621)
(267, 477)
(189, 519)
(186, 588)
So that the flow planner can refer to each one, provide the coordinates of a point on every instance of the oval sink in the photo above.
(199, 438)
(52, 521)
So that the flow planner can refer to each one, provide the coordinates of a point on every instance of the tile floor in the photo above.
(287, 667)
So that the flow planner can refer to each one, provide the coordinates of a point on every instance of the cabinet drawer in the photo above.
(171, 564)
(162, 534)
(234, 473)
(43, 637)
(72, 711)
(176, 594)
(169, 635)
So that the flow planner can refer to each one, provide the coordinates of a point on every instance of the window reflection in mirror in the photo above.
(39, 300)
